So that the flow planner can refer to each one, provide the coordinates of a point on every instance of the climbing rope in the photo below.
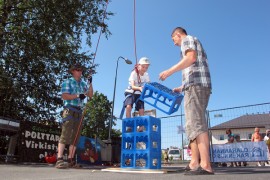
(134, 30)
(100, 32)
(84, 110)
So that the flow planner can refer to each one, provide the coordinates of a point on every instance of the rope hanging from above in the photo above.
(134, 25)
(135, 49)
(100, 32)
(90, 74)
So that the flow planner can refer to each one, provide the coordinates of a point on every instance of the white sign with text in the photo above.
(239, 152)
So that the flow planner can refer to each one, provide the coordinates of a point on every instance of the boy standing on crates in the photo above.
(137, 79)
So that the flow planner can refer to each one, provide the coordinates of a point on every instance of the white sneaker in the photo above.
(267, 164)
(259, 164)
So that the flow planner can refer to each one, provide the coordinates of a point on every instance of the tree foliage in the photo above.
(39, 40)
(97, 118)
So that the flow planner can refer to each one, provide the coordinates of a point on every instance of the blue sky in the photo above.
(234, 33)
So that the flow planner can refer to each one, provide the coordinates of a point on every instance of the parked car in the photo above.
(174, 154)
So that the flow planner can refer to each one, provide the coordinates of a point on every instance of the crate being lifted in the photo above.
(161, 97)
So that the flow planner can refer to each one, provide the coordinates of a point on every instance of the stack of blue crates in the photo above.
(161, 97)
(141, 143)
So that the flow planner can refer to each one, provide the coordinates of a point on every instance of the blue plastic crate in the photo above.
(127, 160)
(128, 142)
(147, 160)
(150, 142)
(144, 141)
(145, 124)
(161, 97)
(128, 125)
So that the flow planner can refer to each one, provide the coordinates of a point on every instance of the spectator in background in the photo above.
(256, 137)
(267, 141)
(166, 156)
(230, 140)
(237, 139)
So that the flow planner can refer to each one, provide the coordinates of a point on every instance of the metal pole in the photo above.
(182, 134)
(114, 89)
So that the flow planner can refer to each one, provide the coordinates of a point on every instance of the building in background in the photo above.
(242, 126)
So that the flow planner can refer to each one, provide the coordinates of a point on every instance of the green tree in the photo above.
(39, 40)
(97, 116)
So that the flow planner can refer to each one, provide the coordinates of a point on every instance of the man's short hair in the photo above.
(180, 30)
(76, 66)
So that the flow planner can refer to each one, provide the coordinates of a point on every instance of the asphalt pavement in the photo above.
(171, 172)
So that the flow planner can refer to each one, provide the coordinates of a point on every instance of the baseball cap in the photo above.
(144, 60)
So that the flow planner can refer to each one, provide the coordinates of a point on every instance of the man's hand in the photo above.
(81, 96)
(178, 89)
(163, 75)
(90, 79)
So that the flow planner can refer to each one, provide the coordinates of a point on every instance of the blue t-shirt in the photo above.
(231, 138)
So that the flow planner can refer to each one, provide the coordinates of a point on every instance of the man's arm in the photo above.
(67, 96)
(90, 91)
(188, 60)
(252, 138)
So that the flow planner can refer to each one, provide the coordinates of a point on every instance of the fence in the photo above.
(242, 120)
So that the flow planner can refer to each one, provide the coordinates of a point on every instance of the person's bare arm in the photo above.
(188, 60)
(67, 96)
(90, 91)
(135, 88)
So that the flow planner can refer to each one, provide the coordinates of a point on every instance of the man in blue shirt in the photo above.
(74, 91)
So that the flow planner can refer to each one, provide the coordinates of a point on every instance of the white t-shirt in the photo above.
(134, 77)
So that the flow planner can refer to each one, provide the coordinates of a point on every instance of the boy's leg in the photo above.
(141, 112)
(128, 111)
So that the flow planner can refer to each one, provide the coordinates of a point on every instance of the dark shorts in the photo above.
(131, 99)
(70, 127)
(195, 101)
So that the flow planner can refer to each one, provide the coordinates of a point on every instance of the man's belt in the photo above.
(70, 111)
(74, 108)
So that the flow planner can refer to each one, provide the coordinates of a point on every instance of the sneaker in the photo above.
(73, 164)
(60, 164)
(267, 164)
(259, 164)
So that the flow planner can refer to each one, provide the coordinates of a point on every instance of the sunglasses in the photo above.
(78, 69)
